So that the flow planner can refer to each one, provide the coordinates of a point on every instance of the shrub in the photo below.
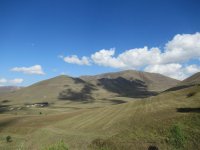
(58, 146)
(8, 139)
(5, 101)
(151, 147)
(177, 137)
(101, 144)
(40, 113)
(191, 94)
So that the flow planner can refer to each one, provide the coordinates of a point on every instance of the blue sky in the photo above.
(40, 38)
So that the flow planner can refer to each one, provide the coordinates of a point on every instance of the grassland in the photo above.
(136, 124)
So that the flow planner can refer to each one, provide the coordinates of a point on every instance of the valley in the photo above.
(126, 110)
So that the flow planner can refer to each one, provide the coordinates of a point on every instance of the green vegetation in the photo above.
(100, 144)
(177, 137)
(58, 146)
(8, 139)
(191, 94)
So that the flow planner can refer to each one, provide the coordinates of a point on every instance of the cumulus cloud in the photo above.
(16, 81)
(182, 47)
(140, 57)
(4, 81)
(105, 58)
(191, 69)
(36, 69)
(75, 60)
(173, 70)
(129, 59)
(172, 60)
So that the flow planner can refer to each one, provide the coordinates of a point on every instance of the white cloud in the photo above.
(129, 59)
(138, 57)
(75, 60)
(36, 69)
(16, 81)
(182, 47)
(173, 70)
(172, 60)
(191, 69)
(105, 58)
(4, 81)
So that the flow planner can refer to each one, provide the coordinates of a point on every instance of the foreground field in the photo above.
(136, 124)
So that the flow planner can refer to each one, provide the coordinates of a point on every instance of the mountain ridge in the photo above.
(188, 82)
(137, 75)
(124, 83)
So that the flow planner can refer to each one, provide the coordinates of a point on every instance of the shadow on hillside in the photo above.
(124, 87)
(5, 101)
(178, 88)
(188, 110)
(115, 102)
(4, 108)
(78, 80)
(82, 96)
(4, 124)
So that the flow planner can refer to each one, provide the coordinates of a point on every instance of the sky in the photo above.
(41, 39)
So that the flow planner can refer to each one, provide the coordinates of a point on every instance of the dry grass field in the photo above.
(134, 124)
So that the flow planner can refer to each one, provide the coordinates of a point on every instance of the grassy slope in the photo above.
(133, 125)
(128, 85)
(6, 89)
(194, 79)
(47, 90)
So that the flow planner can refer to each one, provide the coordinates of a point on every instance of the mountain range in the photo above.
(127, 83)
(122, 110)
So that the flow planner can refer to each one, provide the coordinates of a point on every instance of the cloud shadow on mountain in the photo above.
(127, 88)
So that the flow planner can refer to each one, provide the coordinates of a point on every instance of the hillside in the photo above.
(61, 87)
(135, 125)
(188, 82)
(5, 89)
(148, 81)
(91, 88)
(192, 80)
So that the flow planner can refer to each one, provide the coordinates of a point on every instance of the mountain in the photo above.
(4, 89)
(143, 124)
(90, 88)
(146, 124)
(61, 87)
(194, 79)
(188, 82)
(149, 81)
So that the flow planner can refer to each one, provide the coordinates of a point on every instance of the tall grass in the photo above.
(58, 146)
(177, 138)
